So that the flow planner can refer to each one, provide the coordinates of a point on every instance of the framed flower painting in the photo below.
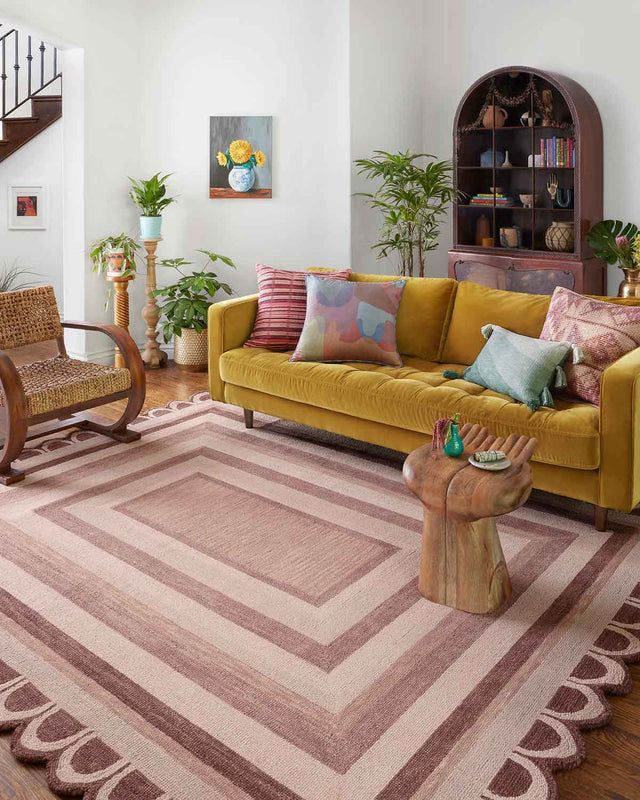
(27, 207)
(240, 157)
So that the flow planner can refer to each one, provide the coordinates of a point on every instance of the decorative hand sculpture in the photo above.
(552, 186)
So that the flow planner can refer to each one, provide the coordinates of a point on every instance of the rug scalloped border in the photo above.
(44, 733)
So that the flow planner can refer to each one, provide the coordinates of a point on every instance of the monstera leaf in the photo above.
(602, 238)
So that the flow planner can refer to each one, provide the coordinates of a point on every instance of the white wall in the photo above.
(37, 162)
(284, 58)
(583, 39)
(386, 58)
(101, 110)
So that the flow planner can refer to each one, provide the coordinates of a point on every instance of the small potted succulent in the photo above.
(151, 198)
(240, 159)
(617, 242)
(185, 307)
(114, 255)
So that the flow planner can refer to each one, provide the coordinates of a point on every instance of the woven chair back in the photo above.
(28, 316)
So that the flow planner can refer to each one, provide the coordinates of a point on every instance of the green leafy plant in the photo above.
(413, 195)
(121, 242)
(12, 277)
(614, 242)
(187, 301)
(151, 195)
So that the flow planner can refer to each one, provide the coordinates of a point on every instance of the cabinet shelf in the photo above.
(578, 119)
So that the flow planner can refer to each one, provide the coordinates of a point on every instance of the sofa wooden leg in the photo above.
(600, 517)
(248, 418)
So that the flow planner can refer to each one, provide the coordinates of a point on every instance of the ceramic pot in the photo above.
(117, 263)
(486, 158)
(453, 445)
(483, 229)
(630, 286)
(150, 227)
(241, 179)
(511, 237)
(560, 237)
(190, 350)
(499, 118)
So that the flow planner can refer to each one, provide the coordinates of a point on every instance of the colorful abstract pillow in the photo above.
(604, 331)
(350, 321)
(282, 304)
(518, 366)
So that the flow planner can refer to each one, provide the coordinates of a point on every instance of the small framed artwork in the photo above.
(240, 157)
(27, 207)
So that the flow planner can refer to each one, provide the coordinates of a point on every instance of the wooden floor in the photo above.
(612, 767)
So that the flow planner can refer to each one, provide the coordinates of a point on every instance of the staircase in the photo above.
(32, 85)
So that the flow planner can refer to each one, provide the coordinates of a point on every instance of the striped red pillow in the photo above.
(282, 305)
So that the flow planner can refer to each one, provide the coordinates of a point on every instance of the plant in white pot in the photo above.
(185, 308)
(115, 255)
(151, 198)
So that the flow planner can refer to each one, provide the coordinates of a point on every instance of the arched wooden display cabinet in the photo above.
(557, 108)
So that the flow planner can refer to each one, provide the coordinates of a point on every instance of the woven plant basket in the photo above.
(190, 350)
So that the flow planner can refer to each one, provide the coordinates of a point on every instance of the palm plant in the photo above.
(413, 195)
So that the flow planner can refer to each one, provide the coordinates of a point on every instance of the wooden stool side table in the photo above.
(120, 308)
(462, 564)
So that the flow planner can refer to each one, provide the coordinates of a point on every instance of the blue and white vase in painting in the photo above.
(241, 179)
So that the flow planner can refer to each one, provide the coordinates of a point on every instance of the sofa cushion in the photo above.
(423, 311)
(415, 396)
(477, 305)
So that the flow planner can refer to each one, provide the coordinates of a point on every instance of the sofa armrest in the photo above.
(620, 433)
(230, 325)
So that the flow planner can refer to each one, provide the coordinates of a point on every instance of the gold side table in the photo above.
(152, 356)
(120, 308)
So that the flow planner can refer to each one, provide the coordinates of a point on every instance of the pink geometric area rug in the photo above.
(215, 612)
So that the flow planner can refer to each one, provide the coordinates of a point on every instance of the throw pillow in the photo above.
(519, 366)
(604, 331)
(282, 303)
(350, 321)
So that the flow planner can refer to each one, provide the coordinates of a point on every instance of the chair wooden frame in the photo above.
(16, 426)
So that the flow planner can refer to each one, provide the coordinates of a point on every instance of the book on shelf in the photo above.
(558, 152)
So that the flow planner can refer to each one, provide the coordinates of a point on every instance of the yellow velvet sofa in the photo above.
(585, 452)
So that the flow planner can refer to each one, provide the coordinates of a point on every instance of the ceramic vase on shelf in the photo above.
(453, 444)
(494, 116)
(559, 237)
(483, 229)
(630, 286)
(242, 178)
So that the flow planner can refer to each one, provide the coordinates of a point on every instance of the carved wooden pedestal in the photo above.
(152, 355)
(120, 309)
(462, 564)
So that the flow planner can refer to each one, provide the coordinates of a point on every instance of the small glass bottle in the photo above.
(453, 445)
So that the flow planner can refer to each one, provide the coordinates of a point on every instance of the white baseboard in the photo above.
(105, 355)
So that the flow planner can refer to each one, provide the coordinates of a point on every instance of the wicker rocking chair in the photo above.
(57, 388)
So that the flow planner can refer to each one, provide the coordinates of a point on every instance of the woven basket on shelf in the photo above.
(190, 350)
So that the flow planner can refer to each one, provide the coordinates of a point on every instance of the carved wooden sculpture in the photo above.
(462, 564)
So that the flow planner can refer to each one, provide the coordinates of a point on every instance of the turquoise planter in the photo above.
(150, 227)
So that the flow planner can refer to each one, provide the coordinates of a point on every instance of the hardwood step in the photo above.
(17, 131)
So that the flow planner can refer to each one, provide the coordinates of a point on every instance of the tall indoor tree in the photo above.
(413, 193)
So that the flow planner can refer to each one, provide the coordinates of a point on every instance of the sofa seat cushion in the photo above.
(415, 396)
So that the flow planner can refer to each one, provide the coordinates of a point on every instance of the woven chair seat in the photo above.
(57, 383)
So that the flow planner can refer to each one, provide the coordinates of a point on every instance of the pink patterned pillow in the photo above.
(604, 331)
(282, 305)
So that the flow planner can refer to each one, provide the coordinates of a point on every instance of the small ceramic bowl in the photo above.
(495, 189)
(527, 200)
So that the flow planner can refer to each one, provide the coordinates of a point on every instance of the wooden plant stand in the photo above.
(152, 356)
(462, 564)
(120, 309)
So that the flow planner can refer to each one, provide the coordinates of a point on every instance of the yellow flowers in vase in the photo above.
(240, 159)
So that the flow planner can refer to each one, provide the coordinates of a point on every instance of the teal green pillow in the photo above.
(519, 366)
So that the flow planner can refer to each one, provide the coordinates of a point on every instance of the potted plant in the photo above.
(413, 195)
(115, 255)
(185, 307)
(241, 160)
(151, 198)
(617, 242)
